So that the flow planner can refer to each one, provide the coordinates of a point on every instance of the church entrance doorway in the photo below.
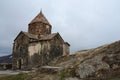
(19, 63)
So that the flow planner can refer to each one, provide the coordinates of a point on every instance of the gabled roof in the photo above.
(35, 38)
(26, 34)
(48, 37)
(40, 18)
(30, 35)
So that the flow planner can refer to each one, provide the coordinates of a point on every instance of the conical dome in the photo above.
(40, 18)
(39, 25)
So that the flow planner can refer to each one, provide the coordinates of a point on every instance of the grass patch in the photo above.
(67, 72)
(21, 76)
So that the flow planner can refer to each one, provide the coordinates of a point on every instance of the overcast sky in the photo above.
(84, 24)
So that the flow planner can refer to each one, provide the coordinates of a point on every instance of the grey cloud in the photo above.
(83, 23)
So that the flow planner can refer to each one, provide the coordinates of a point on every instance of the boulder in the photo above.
(105, 58)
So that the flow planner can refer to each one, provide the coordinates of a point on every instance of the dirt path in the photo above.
(10, 72)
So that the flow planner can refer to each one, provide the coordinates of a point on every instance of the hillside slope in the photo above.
(97, 62)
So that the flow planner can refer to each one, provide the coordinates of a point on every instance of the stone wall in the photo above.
(20, 52)
(66, 49)
(42, 52)
(39, 29)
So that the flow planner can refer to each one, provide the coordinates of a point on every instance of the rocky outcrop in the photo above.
(105, 58)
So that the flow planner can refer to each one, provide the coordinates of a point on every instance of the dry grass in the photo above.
(21, 76)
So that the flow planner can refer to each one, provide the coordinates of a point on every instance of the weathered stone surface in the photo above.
(20, 52)
(103, 58)
(92, 65)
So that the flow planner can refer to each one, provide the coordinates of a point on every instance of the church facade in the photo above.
(38, 46)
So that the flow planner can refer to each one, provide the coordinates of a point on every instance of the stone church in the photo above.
(38, 46)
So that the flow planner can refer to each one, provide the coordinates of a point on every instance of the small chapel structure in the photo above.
(38, 46)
